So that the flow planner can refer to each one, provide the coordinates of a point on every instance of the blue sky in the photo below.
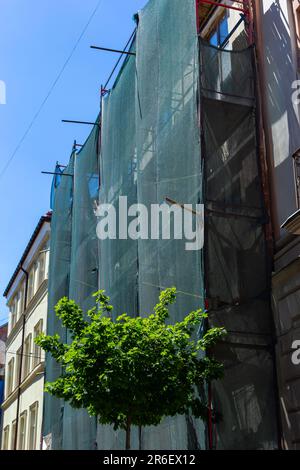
(35, 40)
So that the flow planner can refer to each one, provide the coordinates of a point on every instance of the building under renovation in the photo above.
(201, 112)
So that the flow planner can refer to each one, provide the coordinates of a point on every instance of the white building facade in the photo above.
(27, 300)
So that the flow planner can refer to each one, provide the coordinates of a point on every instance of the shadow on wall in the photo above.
(283, 119)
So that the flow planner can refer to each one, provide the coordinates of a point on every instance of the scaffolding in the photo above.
(237, 263)
(206, 8)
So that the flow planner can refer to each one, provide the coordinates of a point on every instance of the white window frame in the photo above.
(22, 431)
(20, 300)
(42, 264)
(37, 351)
(5, 439)
(18, 364)
(13, 434)
(10, 376)
(30, 291)
(13, 312)
(32, 436)
(27, 356)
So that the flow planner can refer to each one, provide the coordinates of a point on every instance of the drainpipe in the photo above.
(21, 359)
(270, 193)
(262, 89)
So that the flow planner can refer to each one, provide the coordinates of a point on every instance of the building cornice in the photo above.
(34, 302)
(35, 374)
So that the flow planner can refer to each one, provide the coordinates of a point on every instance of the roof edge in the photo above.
(43, 219)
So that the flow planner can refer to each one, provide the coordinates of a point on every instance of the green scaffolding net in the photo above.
(73, 272)
(169, 169)
(58, 287)
(237, 270)
(118, 257)
(79, 429)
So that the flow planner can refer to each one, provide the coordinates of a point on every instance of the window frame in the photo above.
(18, 365)
(13, 312)
(30, 290)
(5, 439)
(216, 30)
(37, 351)
(27, 356)
(23, 418)
(10, 376)
(12, 434)
(42, 264)
(32, 442)
(296, 164)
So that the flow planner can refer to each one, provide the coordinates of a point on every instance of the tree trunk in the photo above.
(128, 432)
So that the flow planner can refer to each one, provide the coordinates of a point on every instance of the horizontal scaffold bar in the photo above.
(112, 50)
(224, 5)
(81, 122)
(57, 174)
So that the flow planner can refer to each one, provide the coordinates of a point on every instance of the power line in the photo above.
(23, 354)
(3, 171)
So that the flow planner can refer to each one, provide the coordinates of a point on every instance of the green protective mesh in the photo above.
(118, 258)
(74, 273)
(237, 268)
(58, 287)
(169, 166)
(79, 430)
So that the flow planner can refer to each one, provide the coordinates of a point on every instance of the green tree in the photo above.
(132, 371)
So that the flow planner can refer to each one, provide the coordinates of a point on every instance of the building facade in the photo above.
(3, 337)
(279, 44)
(26, 296)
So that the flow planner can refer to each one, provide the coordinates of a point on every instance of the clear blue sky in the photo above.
(36, 38)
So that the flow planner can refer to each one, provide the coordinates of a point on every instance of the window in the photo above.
(36, 349)
(42, 264)
(27, 356)
(220, 33)
(13, 312)
(33, 413)
(22, 431)
(18, 365)
(30, 292)
(18, 304)
(35, 277)
(10, 377)
(298, 36)
(296, 157)
(5, 438)
(20, 300)
(13, 435)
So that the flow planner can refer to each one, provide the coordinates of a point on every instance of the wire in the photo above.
(119, 59)
(3, 171)
(23, 354)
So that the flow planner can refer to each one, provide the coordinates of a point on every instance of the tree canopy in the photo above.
(134, 370)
